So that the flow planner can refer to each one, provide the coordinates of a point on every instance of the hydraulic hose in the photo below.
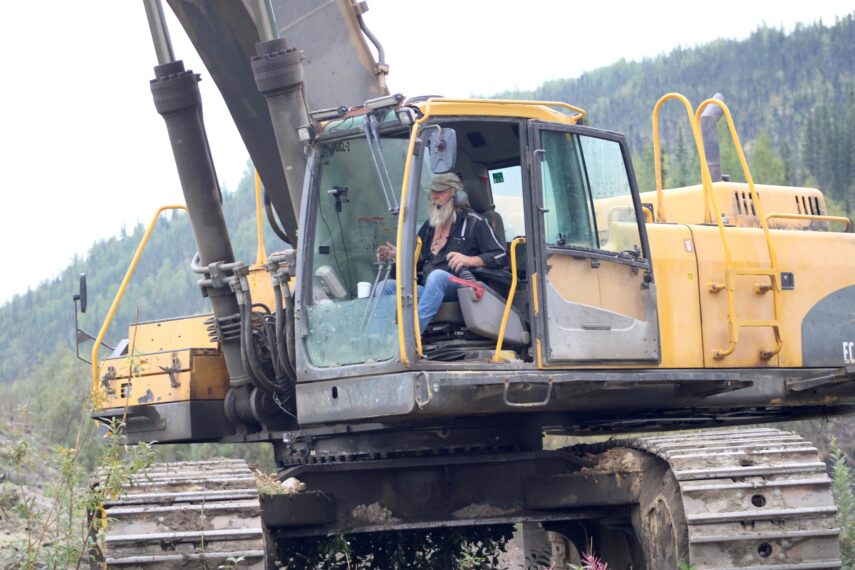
(289, 330)
(270, 331)
(278, 343)
(248, 351)
(283, 352)
(273, 221)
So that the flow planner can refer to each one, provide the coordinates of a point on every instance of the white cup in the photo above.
(363, 289)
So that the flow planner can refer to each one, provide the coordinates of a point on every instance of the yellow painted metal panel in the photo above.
(693, 321)
(675, 271)
(748, 249)
(475, 108)
(620, 290)
(170, 334)
(261, 287)
(203, 377)
(610, 286)
(800, 253)
(686, 206)
(145, 364)
(210, 378)
(574, 279)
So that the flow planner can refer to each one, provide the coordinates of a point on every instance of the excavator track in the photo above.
(196, 514)
(752, 499)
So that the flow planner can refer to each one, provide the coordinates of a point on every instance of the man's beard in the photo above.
(442, 215)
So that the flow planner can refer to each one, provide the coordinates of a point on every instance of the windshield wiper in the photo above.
(372, 134)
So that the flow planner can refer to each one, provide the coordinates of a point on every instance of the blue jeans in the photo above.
(436, 289)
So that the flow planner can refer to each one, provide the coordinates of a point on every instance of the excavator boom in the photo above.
(338, 69)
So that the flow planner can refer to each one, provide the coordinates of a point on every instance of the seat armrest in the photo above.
(501, 275)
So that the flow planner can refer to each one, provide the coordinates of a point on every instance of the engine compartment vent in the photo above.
(744, 203)
(809, 205)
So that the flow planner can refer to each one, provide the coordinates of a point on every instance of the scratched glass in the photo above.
(353, 217)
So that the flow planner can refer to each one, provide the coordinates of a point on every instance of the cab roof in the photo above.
(549, 111)
(552, 111)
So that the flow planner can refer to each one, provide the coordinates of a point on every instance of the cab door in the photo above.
(594, 277)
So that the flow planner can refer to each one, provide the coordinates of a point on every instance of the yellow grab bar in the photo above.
(509, 302)
(818, 217)
(416, 296)
(260, 254)
(706, 181)
(399, 301)
(648, 215)
(733, 326)
(112, 312)
(745, 170)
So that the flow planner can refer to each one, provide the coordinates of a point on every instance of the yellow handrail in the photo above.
(111, 313)
(818, 217)
(509, 302)
(733, 325)
(657, 162)
(648, 215)
(399, 237)
(416, 296)
(261, 254)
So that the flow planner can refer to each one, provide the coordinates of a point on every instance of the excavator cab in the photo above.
(560, 197)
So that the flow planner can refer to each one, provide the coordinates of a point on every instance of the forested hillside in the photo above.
(791, 94)
(35, 325)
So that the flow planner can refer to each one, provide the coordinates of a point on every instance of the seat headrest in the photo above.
(479, 194)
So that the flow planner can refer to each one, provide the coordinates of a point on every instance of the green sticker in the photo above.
(498, 178)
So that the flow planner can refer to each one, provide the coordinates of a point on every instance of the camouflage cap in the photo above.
(441, 182)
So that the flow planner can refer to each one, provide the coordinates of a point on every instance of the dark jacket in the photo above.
(469, 235)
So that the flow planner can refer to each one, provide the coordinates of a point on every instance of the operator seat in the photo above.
(482, 315)
(481, 201)
(476, 196)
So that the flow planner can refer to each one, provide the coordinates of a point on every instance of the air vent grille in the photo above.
(744, 203)
(808, 205)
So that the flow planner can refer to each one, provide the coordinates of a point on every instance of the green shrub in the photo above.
(841, 476)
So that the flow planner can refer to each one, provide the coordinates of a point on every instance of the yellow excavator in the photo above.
(684, 313)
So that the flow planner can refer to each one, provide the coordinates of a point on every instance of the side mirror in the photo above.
(443, 150)
(80, 335)
(81, 295)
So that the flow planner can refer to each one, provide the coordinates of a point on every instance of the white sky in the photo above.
(83, 152)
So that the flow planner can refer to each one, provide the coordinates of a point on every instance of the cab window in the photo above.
(586, 193)
(506, 187)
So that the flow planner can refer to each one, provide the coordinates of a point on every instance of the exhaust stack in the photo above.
(709, 131)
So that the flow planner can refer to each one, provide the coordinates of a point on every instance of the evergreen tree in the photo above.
(767, 166)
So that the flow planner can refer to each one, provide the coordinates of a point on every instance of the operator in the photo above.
(454, 239)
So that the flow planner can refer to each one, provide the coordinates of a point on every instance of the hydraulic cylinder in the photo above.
(177, 99)
(279, 77)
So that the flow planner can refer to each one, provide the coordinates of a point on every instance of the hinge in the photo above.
(171, 370)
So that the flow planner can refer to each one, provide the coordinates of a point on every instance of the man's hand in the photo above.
(458, 261)
(386, 252)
